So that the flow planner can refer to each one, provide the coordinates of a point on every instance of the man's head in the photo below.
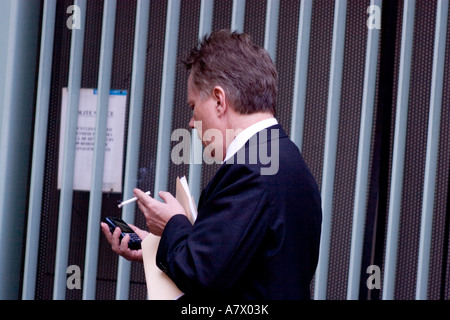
(232, 84)
(244, 71)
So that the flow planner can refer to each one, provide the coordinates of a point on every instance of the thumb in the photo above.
(141, 233)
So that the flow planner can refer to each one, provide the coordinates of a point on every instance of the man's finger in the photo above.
(123, 247)
(133, 227)
(141, 233)
(166, 196)
(140, 194)
(143, 197)
(106, 231)
(115, 242)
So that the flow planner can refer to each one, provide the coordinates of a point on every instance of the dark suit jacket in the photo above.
(256, 236)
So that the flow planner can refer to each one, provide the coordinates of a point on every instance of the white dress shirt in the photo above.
(241, 139)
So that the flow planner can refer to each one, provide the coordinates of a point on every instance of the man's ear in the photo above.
(220, 97)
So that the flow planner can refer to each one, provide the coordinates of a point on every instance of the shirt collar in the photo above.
(241, 139)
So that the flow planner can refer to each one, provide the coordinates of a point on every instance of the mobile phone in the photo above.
(114, 222)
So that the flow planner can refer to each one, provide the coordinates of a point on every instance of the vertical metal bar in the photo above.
(329, 164)
(66, 196)
(206, 13)
(39, 148)
(134, 133)
(95, 197)
(434, 120)
(301, 72)
(195, 166)
(271, 32)
(238, 16)
(362, 171)
(167, 91)
(18, 66)
(395, 196)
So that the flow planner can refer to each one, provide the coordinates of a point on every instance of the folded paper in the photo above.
(159, 285)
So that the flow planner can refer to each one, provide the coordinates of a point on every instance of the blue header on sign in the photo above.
(114, 92)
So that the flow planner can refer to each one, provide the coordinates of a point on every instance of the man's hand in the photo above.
(121, 247)
(158, 213)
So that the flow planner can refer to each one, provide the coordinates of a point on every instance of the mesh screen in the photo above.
(440, 277)
(49, 215)
(347, 151)
(314, 129)
(410, 218)
(121, 72)
(415, 153)
(187, 38)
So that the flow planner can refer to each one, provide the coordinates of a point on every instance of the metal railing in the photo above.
(237, 22)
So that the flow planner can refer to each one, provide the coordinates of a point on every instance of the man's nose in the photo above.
(191, 123)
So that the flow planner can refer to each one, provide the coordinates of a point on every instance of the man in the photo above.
(257, 232)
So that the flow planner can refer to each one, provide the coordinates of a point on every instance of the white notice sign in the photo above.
(87, 111)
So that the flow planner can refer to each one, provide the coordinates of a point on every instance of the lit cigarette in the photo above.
(130, 200)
